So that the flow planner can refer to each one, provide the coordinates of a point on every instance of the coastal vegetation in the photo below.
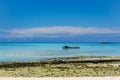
(63, 67)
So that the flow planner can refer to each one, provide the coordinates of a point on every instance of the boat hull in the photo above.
(71, 47)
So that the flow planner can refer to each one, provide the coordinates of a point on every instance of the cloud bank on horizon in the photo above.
(55, 31)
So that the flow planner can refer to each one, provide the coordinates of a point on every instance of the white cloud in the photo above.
(56, 31)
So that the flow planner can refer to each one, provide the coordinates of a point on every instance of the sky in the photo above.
(59, 20)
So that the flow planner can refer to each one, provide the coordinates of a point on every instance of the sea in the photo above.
(27, 51)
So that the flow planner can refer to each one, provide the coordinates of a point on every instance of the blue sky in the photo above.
(59, 20)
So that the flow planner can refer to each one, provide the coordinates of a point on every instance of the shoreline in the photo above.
(69, 58)
(63, 67)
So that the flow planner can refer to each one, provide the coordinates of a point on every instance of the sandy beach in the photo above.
(62, 78)
(67, 67)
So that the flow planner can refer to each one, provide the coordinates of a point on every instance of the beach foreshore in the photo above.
(63, 78)
(82, 66)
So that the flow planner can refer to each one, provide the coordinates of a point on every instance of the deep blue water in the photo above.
(40, 51)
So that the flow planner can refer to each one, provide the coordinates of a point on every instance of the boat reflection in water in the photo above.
(73, 47)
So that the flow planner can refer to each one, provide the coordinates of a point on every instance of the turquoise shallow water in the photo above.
(41, 51)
